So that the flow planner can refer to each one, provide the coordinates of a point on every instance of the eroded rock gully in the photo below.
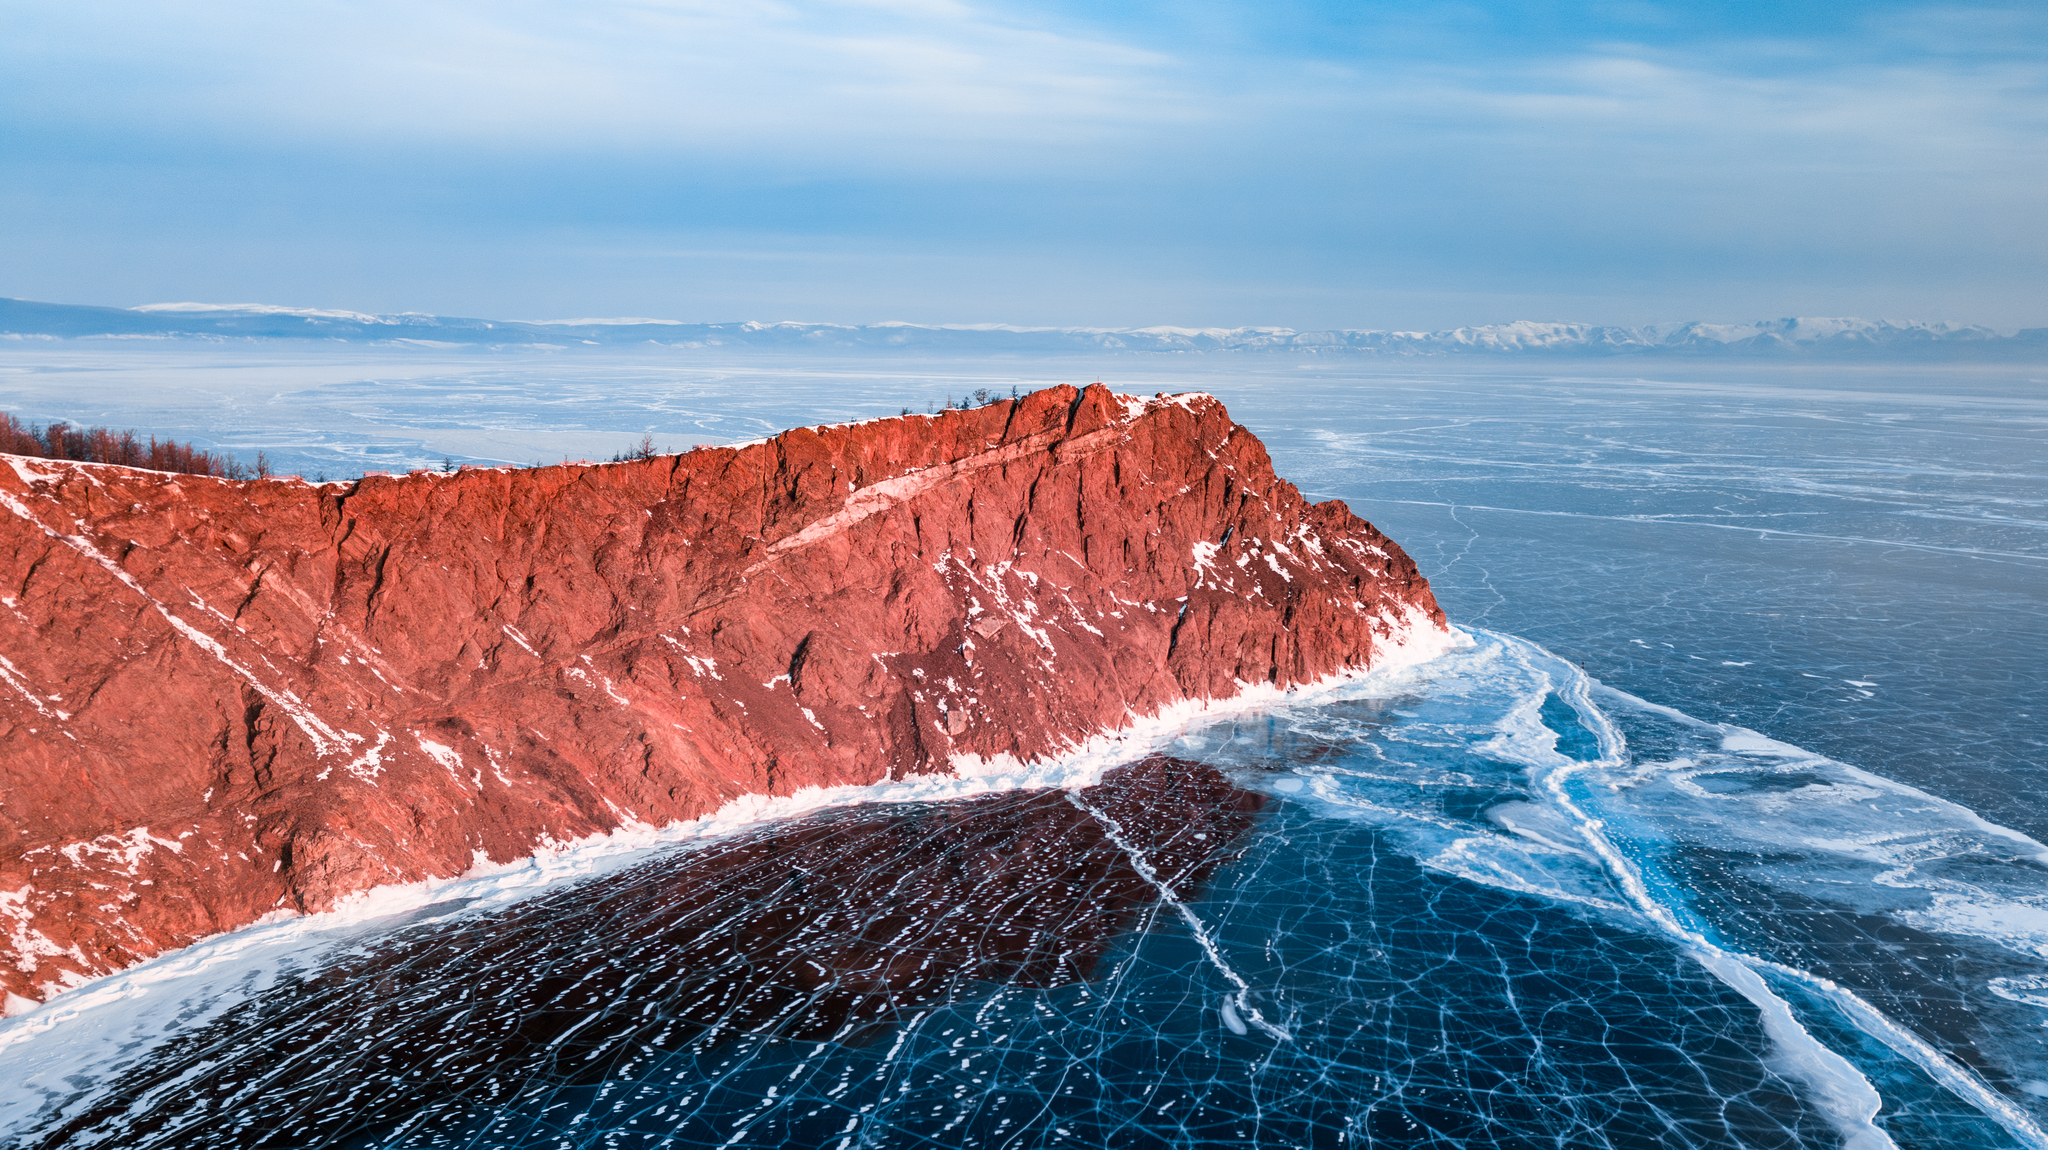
(222, 699)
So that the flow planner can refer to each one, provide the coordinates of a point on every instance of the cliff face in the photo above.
(222, 699)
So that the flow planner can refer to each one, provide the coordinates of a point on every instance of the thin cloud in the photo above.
(824, 76)
(1299, 152)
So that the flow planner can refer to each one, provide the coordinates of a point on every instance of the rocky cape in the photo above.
(224, 700)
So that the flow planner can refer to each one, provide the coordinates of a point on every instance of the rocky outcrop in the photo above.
(221, 700)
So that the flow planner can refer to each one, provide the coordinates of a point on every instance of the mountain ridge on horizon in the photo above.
(1824, 337)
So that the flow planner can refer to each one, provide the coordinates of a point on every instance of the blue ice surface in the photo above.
(1495, 906)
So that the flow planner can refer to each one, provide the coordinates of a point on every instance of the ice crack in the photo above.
(1237, 1008)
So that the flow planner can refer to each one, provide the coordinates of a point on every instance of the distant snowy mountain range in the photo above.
(1803, 337)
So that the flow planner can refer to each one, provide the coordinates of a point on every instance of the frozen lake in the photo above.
(1722, 830)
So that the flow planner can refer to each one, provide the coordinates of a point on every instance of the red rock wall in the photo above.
(221, 699)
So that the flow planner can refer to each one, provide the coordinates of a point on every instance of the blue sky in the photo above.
(1301, 164)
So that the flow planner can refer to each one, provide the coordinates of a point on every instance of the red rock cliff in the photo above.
(221, 699)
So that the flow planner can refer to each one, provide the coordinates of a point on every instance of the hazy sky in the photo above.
(1305, 164)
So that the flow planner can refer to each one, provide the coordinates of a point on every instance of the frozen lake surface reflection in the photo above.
(1716, 832)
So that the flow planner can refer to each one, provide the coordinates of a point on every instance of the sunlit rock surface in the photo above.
(221, 700)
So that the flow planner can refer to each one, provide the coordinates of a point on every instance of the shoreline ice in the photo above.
(91, 1030)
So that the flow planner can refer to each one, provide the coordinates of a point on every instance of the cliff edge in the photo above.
(223, 699)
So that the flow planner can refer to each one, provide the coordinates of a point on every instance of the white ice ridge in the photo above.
(1842, 1092)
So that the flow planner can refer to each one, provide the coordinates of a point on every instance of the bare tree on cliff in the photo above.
(105, 445)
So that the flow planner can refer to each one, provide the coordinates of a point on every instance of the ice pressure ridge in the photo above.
(225, 700)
